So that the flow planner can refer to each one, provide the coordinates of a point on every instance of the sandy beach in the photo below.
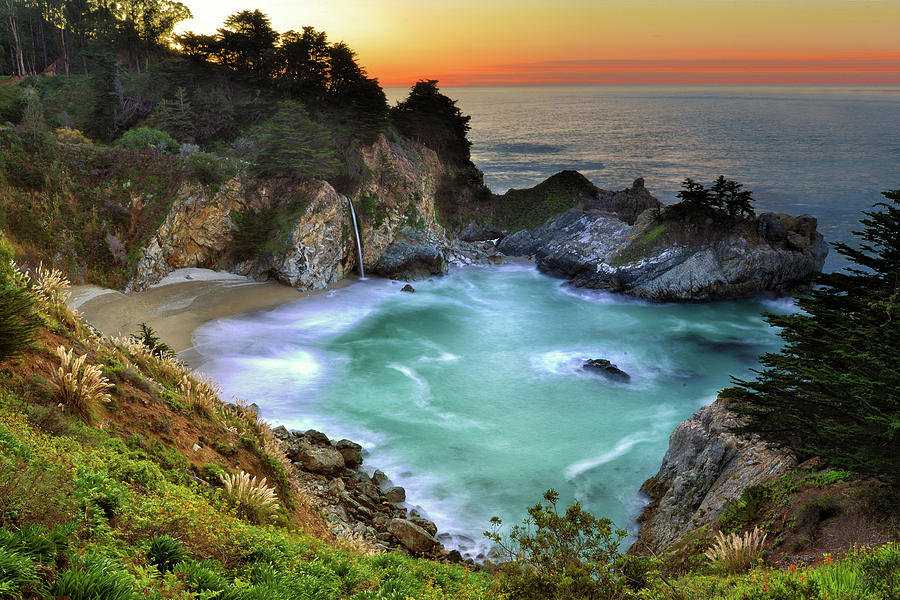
(180, 303)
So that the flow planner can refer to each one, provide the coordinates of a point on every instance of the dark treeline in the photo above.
(59, 36)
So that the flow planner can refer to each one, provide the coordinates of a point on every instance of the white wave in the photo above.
(623, 447)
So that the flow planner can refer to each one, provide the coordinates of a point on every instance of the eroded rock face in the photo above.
(627, 204)
(705, 467)
(396, 198)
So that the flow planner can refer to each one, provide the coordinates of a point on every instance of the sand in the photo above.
(180, 303)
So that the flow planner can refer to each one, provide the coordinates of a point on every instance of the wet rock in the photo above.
(414, 254)
(379, 477)
(479, 233)
(607, 369)
(370, 490)
(411, 536)
(408, 288)
(395, 494)
(352, 453)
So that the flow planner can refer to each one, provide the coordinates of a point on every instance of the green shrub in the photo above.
(553, 555)
(146, 138)
(94, 577)
(165, 552)
(212, 169)
(99, 495)
(146, 336)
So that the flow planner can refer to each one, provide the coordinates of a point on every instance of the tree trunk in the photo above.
(62, 39)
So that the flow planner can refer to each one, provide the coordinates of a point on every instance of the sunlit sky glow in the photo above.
(543, 42)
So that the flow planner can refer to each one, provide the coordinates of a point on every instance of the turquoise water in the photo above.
(470, 392)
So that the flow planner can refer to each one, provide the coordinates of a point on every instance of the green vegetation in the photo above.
(146, 336)
(527, 209)
(834, 390)
(146, 138)
(290, 144)
(433, 119)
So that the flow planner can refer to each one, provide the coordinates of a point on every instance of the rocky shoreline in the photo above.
(357, 504)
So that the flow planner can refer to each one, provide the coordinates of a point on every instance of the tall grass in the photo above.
(737, 552)
(79, 387)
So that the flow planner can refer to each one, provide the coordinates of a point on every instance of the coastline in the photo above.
(182, 302)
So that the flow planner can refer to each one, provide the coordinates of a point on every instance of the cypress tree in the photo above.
(834, 389)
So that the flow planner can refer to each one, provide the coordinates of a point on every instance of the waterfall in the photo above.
(362, 270)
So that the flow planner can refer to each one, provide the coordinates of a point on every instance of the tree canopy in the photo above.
(834, 389)
(725, 197)
(433, 119)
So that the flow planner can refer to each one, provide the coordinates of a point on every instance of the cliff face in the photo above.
(705, 467)
(318, 248)
(616, 243)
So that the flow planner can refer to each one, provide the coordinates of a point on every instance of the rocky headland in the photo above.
(623, 242)
(705, 468)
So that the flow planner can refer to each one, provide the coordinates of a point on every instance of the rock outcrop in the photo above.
(705, 467)
(394, 203)
(667, 259)
(352, 502)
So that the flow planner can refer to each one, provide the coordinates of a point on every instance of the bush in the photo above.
(94, 577)
(81, 388)
(146, 138)
(552, 555)
(67, 135)
(165, 553)
(146, 336)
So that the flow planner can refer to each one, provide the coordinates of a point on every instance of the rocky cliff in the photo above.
(395, 206)
(620, 242)
(704, 468)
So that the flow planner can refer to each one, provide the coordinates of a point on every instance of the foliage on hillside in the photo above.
(834, 389)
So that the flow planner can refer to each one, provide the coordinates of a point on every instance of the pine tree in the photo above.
(291, 145)
(834, 389)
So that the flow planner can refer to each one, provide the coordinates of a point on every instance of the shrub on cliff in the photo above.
(553, 555)
(146, 138)
(834, 389)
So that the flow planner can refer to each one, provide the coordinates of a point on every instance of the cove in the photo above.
(470, 392)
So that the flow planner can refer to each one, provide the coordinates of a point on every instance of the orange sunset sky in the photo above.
(518, 42)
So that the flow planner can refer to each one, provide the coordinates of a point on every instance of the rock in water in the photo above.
(408, 288)
(395, 494)
(414, 254)
(607, 369)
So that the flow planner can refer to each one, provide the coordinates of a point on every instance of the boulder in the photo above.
(425, 524)
(607, 369)
(352, 453)
(379, 478)
(411, 536)
(395, 494)
(414, 254)
(479, 233)
(324, 460)
(627, 204)
(408, 288)
(317, 437)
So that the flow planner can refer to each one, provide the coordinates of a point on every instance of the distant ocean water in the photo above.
(825, 151)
